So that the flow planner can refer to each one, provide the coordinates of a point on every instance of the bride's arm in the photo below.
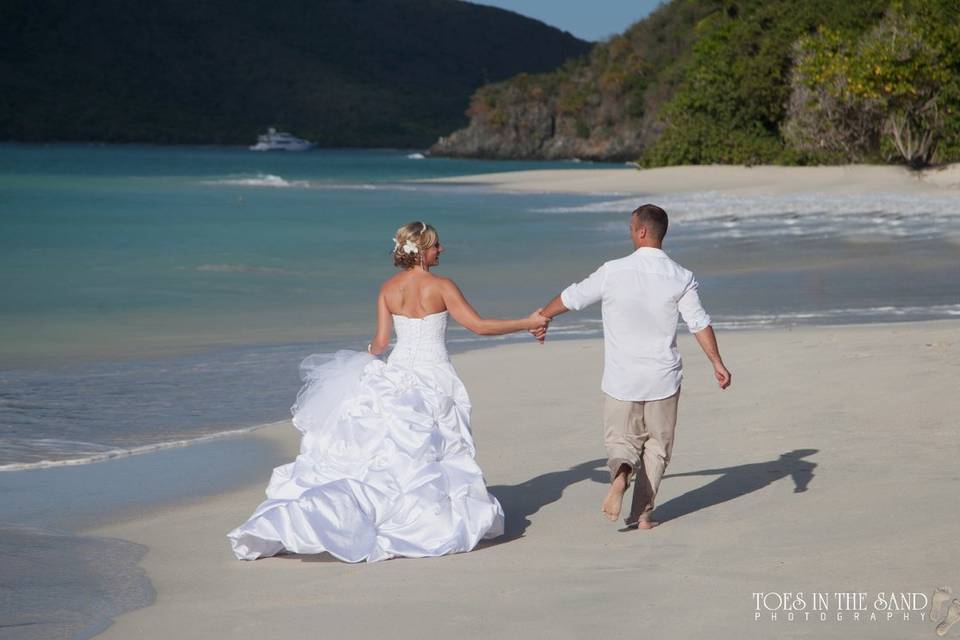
(381, 340)
(466, 315)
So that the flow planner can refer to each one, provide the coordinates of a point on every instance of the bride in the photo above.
(386, 465)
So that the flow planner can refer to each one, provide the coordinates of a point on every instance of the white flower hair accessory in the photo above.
(408, 247)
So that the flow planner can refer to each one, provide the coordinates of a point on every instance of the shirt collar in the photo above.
(650, 251)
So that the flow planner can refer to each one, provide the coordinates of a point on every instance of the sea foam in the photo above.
(259, 180)
(710, 205)
(89, 452)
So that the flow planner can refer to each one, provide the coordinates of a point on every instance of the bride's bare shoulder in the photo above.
(425, 281)
(446, 285)
(439, 280)
(392, 281)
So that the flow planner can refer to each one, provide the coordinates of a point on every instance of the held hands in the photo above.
(538, 325)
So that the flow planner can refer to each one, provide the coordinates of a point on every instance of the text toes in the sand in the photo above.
(841, 606)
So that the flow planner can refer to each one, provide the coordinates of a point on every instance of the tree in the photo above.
(901, 70)
(891, 82)
(823, 122)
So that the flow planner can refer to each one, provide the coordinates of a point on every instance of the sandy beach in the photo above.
(759, 180)
(829, 466)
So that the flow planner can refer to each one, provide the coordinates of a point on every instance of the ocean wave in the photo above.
(825, 316)
(259, 180)
(90, 452)
(267, 180)
(711, 205)
(853, 227)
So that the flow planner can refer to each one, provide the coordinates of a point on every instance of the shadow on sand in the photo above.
(738, 481)
(520, 501)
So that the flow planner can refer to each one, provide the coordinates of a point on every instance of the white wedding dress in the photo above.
(386, 465)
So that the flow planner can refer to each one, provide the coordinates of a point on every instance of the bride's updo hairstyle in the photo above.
(411, 240)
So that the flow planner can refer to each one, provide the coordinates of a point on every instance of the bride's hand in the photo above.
(537, 321)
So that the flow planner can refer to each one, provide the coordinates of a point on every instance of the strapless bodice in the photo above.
(420, 340)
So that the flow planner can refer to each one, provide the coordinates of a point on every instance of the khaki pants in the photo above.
(640, 435)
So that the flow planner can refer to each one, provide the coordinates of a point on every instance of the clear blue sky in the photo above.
(587, 19)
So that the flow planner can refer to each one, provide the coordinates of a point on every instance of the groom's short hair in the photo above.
(653, 218)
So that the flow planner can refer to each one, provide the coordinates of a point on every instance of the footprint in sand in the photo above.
(940, 597)
(953, 615)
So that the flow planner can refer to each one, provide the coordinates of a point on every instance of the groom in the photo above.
(643, 294)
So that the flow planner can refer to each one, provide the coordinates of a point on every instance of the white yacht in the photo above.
(274, 140)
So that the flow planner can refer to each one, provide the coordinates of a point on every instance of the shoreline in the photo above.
(78, 497)
(65, 581)
(115, 454)
(455, 349)
(732, 179)
(283, 438)
(533, 442)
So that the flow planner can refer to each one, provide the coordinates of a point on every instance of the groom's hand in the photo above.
(722, 374)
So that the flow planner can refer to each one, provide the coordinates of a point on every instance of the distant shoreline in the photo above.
(199, 145)
(616, 176)
(756, 180)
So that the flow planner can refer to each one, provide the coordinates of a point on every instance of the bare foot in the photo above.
(953, 616)
(940, 597)
(614, 500)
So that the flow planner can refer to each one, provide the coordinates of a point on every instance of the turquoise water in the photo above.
(116, 251)
(154, 295)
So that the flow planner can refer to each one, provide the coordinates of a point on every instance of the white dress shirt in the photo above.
(643, 294)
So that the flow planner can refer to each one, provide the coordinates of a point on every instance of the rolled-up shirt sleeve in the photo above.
(694, 315)
(584, 293)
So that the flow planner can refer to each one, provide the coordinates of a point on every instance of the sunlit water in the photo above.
(153, 297)
(156, 295)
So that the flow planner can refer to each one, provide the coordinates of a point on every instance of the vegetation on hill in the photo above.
(742, 81)
(893, 90)
(339, 72)
(601, 106)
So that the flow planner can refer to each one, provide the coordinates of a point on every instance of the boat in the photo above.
(274, 140)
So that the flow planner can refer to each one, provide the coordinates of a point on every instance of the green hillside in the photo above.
(339, 72)
(741, 81)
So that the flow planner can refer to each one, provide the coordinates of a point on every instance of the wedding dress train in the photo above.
(386, 465)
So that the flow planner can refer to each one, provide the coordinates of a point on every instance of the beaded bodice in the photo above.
(420, 340)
